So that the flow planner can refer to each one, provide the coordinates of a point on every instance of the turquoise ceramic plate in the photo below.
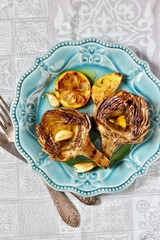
(94, 58)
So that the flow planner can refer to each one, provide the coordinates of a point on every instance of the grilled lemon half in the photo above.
(106, 86)
(73, 89)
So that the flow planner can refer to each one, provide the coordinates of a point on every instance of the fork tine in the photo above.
(6, 114)
(5, 104)
(3, 126)
(3, 120)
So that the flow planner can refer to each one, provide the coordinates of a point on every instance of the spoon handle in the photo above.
(65, 207)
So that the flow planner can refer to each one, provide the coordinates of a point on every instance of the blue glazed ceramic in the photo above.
(95, 59)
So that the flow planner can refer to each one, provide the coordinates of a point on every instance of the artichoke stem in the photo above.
(109, 146)
(93, 154)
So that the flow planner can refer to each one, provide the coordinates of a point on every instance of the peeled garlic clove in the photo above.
(63, 135)
(121, 121)
(84, 167)
(111, 120)
(53, 101)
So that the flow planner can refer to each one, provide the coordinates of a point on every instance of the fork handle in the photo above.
(87, 200)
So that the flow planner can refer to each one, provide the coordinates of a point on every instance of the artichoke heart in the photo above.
(121, 119)
(71, 129)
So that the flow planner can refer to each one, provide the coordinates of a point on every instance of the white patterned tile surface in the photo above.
(8, 185)
(117, 21)
(22, 65)
(6, 9)
(37, 219)
(31, 188)
(77, 237)
(5, 75)
(29, 28)
(52, 238)
(30, 37)
(30, 9)
(6, 38)
(8, 220)
(119, 236)
(131, 24)
(114, 214)
(150, 183)
(147, 217)
(6, 159)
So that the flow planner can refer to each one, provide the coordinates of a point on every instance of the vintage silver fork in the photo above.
(65, 207)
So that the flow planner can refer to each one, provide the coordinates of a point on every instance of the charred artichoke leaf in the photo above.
(121, 119)
(58, 120)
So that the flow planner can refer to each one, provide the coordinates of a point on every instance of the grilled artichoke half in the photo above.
(54, 121)
(121, 119)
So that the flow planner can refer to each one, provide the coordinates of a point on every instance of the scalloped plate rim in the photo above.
(32, 165)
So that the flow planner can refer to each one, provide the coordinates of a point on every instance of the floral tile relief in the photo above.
(8, 182)
(147, 217)
(28, 8)
(119, 236)
(114, 21)
(6, 9)
(38, 218)
(31, 185)
(150, 182)
(5, 74)
(22, 65)
(114, 215)
(31, 37)
(5, 39)
(8, 220)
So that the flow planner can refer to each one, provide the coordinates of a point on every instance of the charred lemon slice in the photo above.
(73, 89)
(106, 86)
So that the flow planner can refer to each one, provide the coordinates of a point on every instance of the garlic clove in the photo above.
(121, 121)
(63, 135)
(53, 101)
(84, 167)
